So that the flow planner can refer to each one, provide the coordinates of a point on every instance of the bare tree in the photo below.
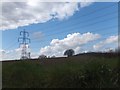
(69, 52)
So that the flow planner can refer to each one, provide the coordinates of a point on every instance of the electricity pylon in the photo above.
(24, 41)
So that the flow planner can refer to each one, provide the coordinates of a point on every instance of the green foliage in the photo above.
(69, 52)
(77, 72)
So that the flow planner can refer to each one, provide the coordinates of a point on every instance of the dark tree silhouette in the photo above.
(24, 57)
(42, 57)
(69, 52)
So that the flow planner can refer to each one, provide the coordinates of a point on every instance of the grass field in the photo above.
(93, 70)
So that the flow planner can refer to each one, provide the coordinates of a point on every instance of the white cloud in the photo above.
(84, 4)
(34, 54)
(8, 54)
(109, 40)
(12, 54)
(16, 14)
(72, 41)
(2, 52)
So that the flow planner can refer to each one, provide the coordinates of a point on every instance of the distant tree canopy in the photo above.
(24, 57)
(42, 56)
(69, 52)
(53, 56)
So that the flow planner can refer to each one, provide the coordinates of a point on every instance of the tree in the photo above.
(53, 56)
(69, 52)
(24, 57)
(42, 57)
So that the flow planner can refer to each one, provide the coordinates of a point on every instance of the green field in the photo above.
(81, 71)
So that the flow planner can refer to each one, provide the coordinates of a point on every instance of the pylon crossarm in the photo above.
(24, 40)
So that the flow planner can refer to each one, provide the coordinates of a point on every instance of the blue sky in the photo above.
(97, 18)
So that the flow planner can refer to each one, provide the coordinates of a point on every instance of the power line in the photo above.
(111, 13)
(86, 14)
(13, 44)
(84, 21)
(92, 12)
(73, 30)
(98, 29)
(105, 34)
(84, 26)
(98, 39)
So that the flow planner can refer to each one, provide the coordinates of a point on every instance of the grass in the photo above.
(81, 71)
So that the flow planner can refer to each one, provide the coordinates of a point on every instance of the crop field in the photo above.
(91, 70)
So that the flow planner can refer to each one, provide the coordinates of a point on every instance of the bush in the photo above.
(42, 57)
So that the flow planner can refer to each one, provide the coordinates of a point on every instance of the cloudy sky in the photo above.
(56, 27)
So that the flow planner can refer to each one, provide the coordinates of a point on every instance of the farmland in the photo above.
(91, 70)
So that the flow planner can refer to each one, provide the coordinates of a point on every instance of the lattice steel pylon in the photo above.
(24, 40)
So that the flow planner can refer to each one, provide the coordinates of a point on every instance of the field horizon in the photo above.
(90, 70)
